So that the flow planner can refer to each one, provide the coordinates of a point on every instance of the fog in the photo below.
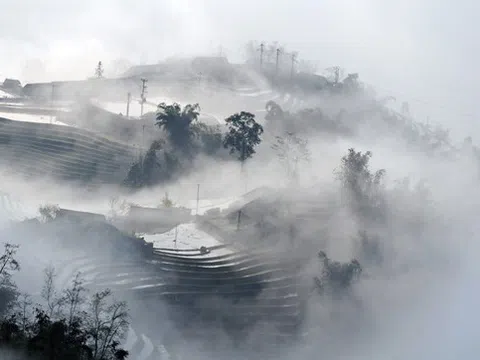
(421, 303)
(422, 52)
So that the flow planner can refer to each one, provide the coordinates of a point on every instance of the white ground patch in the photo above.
(5, 95)
(188, 237)
(44, 119)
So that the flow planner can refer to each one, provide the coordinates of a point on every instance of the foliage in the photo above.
(303, 121)
(336, 277)
(362, 188)
(99, 70)
(152, 168)
(118, 208)
(177, 121)
(167, 202)
(8, 266)
(243, 135)
(291, 150)
(48, 212)
(210, 137)
(74, 326)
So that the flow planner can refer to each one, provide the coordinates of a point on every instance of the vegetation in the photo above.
(336, 277)
(243, 135)
(362, 188)
(167, 202)
(177, 122)
(48, 212)
(99, 70)
(291, 150)
(70, 325)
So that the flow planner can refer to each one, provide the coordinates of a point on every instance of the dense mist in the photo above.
(350, 176)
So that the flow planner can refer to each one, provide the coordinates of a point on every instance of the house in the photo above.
(80, 215)
(12, 86)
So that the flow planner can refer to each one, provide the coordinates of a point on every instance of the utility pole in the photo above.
(142, 95)
(239, 217)
(276, 62)
(51, 102)
(294, 59)
(129, 98)
(198, 198)
(176, 234)
(143, 139)
(262, 49)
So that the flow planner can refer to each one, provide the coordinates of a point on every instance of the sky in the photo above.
(422, 51)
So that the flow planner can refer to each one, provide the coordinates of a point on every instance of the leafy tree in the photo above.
(167, 202)
(177, 121)
(243, 135)
(48, 212)
(362, 188)
(151, 169)
(99, 70)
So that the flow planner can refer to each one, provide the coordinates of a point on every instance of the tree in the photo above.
(177, 121)
(243, 135)
(336, 277)
(107, 323)
(48, 212)
(291, 149)
(363, 189)
(8, 265)
(99, 70)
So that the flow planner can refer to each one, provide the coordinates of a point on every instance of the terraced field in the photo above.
(214, 296)
(36, 150)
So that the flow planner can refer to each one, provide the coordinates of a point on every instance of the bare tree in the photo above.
(107, 324)
(291, 150)
(8, 262)
(73, 298)
(52, 299)
(24, 312)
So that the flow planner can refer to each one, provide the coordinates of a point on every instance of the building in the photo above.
(12, 86)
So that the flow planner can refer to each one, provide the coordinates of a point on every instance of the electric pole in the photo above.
(51, 102)
(276, 62)
(129, 98)
(262, 49)
(198, 198)
(143, 138)
(294, 59)
(142, 95)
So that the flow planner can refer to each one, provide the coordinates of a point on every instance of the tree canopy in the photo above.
(177, 121)
(243, 135)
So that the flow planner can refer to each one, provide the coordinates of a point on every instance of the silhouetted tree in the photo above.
(243, 135)
(177, 121)
(8, 265)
